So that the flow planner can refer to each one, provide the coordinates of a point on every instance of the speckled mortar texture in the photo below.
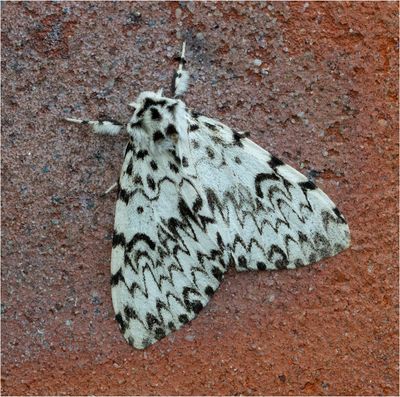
(316, 83)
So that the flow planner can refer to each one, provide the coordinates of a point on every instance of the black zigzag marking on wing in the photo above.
(126, 196)
(260, 178)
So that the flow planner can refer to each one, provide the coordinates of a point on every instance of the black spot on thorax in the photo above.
(171, 130)
(155, 114)
(158, 136)
(148, 102)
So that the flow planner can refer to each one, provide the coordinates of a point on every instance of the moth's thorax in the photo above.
(157, 122)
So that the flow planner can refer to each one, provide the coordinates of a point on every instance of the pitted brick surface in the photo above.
(316, 83)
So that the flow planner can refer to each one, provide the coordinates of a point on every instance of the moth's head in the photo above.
(157, 120)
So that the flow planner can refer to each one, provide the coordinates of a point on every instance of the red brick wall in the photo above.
(324, 98)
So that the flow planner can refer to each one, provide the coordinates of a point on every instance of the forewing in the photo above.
(272, 216)
(167, 259)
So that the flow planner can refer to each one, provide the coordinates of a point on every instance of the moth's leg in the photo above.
(180, 80)
(110, 189)
(110, 127)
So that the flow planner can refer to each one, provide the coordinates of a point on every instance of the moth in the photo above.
(195, 197)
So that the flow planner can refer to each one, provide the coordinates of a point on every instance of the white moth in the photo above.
(194, 197)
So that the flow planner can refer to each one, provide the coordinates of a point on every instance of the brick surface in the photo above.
(316, 83)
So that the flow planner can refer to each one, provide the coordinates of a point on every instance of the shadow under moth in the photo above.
(194, 197)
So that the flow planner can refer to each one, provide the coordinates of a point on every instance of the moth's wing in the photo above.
(166, 258)
(272, 215)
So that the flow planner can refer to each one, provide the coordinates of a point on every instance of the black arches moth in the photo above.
(194, 196)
